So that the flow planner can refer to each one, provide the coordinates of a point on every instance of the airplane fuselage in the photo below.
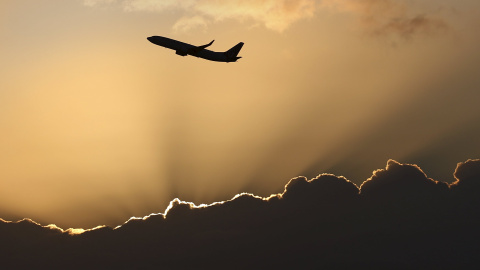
(184, 49)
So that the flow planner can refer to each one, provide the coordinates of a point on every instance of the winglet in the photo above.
(205, 46)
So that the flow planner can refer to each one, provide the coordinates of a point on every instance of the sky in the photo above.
(98, 125)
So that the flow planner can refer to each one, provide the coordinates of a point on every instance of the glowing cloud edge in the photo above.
(376, 173)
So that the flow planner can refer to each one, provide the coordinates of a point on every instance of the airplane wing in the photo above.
(195, 49)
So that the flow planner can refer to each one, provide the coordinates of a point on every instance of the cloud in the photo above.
(275, 15)
(399, 219)
(392, 17)
(91, 3)
(377, 17)
(409, 26)
(404, 180)
(186, 24)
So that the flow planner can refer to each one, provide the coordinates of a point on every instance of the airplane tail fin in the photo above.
(233, 52)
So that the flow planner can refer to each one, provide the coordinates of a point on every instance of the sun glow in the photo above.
(98, 125)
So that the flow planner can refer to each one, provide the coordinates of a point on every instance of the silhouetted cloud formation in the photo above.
(400, 219)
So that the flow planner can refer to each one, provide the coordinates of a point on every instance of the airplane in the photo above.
(185, 49)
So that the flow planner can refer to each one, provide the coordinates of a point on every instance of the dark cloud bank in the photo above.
(400, 220)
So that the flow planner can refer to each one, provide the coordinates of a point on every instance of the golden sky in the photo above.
(98, 125)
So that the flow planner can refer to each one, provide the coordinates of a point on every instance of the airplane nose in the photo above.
(152, 39)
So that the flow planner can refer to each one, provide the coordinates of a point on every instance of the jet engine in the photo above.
(181, 52)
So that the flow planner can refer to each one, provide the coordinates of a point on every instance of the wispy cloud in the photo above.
(376, 17)
(276, 15)
(391, 17)
(92, 3)
(186, 24)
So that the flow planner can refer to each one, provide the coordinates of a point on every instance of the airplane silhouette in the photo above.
(184, 49)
